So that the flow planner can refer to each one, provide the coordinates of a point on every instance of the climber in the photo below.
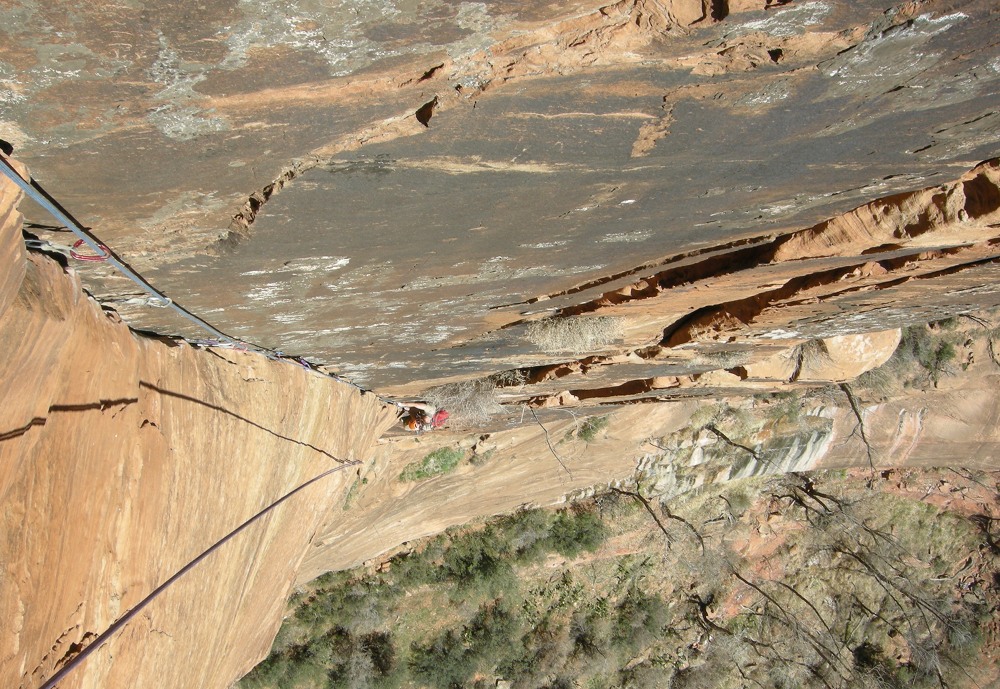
(419, 417)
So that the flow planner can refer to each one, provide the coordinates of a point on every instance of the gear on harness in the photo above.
(420, 417)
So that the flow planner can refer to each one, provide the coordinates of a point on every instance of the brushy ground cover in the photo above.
(438, 615)
(828, 581)
(470, 402)
(440, 461)
(926, 353)
(591, 427)
(574, 334)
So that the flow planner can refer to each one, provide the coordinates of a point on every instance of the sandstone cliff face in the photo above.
(124, 457)
(394, 188)
(762, 192)
(669, 448)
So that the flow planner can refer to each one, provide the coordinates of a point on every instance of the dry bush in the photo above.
(883, 382)
(735, 422)
(513, 378)
(722, 359)
(471, 402)
(925, 354)
(810, 353)
(579, 334)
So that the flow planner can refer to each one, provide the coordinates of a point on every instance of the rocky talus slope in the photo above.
(122, 458)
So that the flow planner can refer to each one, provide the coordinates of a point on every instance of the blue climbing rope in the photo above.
(157, 298)
(103, 253)
(124, 619)
(32, 189)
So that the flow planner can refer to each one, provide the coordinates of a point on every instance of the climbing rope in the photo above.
(124, 619)
(156, 298)
(101, 252)
(100, 258)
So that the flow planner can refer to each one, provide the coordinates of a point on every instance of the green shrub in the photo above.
(783, 406)
(873, 668)
(307, 675)
(369, 661)
(333, 652)
(574, 531)
(493, 631)
(528, 534)
(542, 651)
(414, 569)
(924, 354)
(333, 579)
(352, 604)
(478, 557)
(591, 427)
(271, 672)
(479, 460)
(378, 645)
(352, 493)
(440, 461)
(933, 353)
(637, 617)
(560, 682)
(590, 633)
(738, 500)
(443, 663)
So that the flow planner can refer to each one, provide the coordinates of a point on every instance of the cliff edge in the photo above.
(126, 456)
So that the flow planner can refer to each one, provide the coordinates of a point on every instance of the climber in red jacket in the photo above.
(420, 417)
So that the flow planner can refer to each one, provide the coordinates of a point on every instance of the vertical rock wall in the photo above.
(122, 458)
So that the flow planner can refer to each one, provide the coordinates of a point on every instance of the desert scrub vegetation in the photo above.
(577, 334)
(865, 603)
(463, 611)
(735, 421)
(779, 407)
(932, 347)
(591, 427)
(925, 354)
(440, 461)
(352, 492)
(816, 581)
(723, 359)
(470, 402)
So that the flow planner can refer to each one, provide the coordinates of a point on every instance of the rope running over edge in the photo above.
(33, 189)
(124, 619)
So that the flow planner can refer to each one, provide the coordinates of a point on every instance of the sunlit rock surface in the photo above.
(760, 194)
(123, 458)
(441, 165)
